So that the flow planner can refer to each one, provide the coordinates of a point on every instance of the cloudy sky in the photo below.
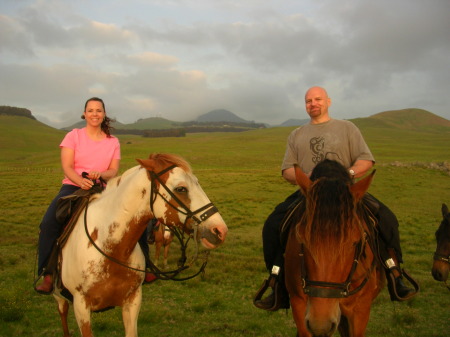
(179, 59)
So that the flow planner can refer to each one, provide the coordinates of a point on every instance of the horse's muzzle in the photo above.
(213, 236)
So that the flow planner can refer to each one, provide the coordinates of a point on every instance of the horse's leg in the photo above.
(83, 316)
(298, 312)
(343, 328)
(166, 254)
(63, 309)
(357, 323)
(157, 251)
(130, 313)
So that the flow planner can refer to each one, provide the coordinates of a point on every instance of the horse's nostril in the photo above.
(217, 232)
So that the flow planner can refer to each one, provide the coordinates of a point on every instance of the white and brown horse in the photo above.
(101, 263)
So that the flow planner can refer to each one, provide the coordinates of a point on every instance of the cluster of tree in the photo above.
(165, 133)
(235, 125)
(13, 111)
(155, 133)
(192, 127)
(209, 128)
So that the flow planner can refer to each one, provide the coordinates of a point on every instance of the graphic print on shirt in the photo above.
(317, 144)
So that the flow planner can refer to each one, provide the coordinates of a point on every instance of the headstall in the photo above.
(332, 289)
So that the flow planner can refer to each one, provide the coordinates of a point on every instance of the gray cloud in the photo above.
(251, 58)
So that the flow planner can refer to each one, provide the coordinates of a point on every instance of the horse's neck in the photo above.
(124, 209)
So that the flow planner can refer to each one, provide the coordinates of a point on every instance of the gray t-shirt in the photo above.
(335, 139)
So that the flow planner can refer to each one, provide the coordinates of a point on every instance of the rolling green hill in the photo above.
(240, 172)
(24, 139)
(406, 119)
(417, 135)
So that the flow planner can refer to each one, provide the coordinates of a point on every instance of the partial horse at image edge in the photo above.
(101, 264)
(341, 274)
(441, 257)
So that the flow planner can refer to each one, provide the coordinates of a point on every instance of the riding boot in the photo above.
(46, 287)
(278, 298)
(398, 290)
(149, 277)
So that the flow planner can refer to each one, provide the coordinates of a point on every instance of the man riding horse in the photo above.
(340, 140)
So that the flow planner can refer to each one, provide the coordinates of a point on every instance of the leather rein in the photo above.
(332, 289)
(209, 209)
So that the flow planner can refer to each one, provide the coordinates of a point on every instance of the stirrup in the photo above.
(274, 285)
(393, 289)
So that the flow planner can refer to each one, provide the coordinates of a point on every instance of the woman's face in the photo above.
(94, 113)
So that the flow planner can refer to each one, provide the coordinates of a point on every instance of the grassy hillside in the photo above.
(240, 173)
(412, 119)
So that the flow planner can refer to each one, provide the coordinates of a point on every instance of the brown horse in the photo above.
(163, 239)
(332, 274)
(441, 263)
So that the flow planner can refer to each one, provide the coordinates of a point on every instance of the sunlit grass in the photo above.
(241, 175)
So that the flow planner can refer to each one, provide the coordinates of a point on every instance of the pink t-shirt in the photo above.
(90, 155)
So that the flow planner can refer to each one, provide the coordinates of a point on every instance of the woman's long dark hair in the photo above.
(106, 127)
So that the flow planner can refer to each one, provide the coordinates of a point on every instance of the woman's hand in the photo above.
(94, 175)
(86, 183)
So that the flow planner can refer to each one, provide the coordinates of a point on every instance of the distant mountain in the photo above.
(224, 120)
(221, 115)
(149, 123)
(82, 123)
(294, 122)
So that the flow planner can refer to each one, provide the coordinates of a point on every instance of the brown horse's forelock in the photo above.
(164, 160)
(328, 218)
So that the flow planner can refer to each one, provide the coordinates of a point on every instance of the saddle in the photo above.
(69, 209)
(370, 210)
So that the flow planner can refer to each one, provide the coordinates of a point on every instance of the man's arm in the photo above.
(289, 175)
(360, 167)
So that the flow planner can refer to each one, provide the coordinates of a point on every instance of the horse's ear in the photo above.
(302, 179)
(444, 210)
(359, 188)
(146, 163)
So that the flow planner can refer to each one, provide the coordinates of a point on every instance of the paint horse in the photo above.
(101, 264)
(332, 274)
(163, 239)
(441, 260)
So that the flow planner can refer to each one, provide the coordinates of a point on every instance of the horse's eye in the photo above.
(181, 189)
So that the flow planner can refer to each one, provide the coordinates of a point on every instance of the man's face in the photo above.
(317, 103)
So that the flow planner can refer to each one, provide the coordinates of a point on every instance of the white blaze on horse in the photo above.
(96, 260)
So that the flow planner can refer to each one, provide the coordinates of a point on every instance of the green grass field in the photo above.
(240, 172)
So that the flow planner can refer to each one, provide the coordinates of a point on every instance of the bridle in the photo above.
(437, 256)
(332, 289)
(441, 257)
(208, 210)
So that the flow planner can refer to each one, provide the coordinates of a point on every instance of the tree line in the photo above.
(13, 111)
